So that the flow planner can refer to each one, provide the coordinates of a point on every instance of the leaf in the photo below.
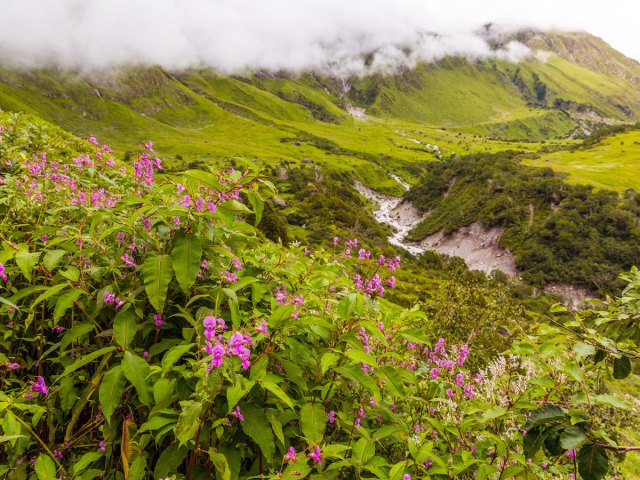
(125, 447)
(593, 463)
(84, 461)
(543, 415)
(65, 301)
(313, 420)
(256, 425)
(612, 401)
(572, 437)
(111, 390)
(85, 359)
(157, 273)
(494, 412)
(174, 354)
(45, 467)
(238, 390)
(621, 367)
(8, 438)
(185, 256)
(220, 464)
(363, 451)
(362, 357)
(278, 392)
(328, 360)
(397, 471)
(52, 258)
(188, 421)
(27, 262)
(74, 333)
(257, 204)
(49, 292)
(137, 370)
(137, 469)
(583, 350)
(124, 327)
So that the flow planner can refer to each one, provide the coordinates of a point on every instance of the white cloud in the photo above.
(236, 35)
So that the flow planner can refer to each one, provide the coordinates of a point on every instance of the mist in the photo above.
(345, 37)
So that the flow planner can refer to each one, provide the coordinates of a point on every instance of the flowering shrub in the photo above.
(148, 331)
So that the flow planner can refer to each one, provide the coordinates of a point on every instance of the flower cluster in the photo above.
(238, 344)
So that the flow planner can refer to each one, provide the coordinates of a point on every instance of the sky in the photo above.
(343, 36)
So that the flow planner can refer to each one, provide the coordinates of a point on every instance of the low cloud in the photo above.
(344, 37)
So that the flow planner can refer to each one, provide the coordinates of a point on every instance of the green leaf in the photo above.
(543, 415)
(185, 256)
(222, 469)
(363, 451)
(328, 360)
(257, 204)
(494, 412)
(85, 359)
(256, 425)
(45, 467)
(49, 292)
(157, 273)
(65, 301)
(174, 354)
(362, 357)
(124, 327)
(611, 401)
(572, 437)
(137, 370)
(84, 461)
(137, 468)
(111, 390)
(583, 350)
(27, 262)
(74, 333)
(277, 391)
(593, 463)
(397, 471)
(621, 367)
(52, 258)
(313, 420)
(188, 421)
(238, 390)
(8, 438)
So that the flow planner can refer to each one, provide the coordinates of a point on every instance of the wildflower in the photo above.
(469, 391)
(332, 417)
(157, 318)
(315, 455)
(13, 366)
(3, 276)
(291, 455)
(295, 315)
(39, 386)
(44, 238)
(120, 237)
(149, 146)
(58, 453)
(230, 277)
(236, 263)
(180, 188)
(262, 328)
(335, 241)
(200, 205)
(434, 373)
(103, 446)
(406, 476)
(93, 140)
(58, 329)
(237, 413)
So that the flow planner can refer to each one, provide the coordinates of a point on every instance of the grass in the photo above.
(612, 164)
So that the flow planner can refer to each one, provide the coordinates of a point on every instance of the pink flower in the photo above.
(237, 413)
(3, 276)
(406, 476)
(332, 417)
(291, 455)
(13, 366)
(315, 455)
(157, 320)
(39, 386)
(230, 277)
(262, 328)
(149, 146)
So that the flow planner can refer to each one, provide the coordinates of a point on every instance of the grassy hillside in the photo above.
(612, 163)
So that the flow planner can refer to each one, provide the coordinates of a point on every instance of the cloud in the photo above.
(343, 36)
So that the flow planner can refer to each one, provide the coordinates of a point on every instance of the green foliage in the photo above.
(559, 233)
(270, 362)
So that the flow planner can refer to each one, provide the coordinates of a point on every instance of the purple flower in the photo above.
(315, 455)
(262, 328)
(291, 455)
(157, 320)
(3, 276)
(237, 413)
(103, 446)
(39, 386)
(13, 366)
(406, 476)
(332, 417)
(230, 277)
